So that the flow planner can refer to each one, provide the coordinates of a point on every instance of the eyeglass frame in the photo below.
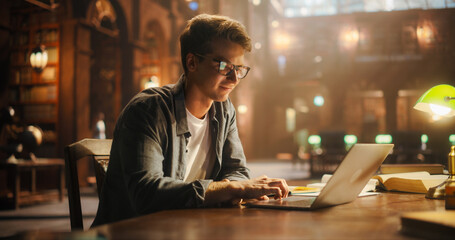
(235, 67)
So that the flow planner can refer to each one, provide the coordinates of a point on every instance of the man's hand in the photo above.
(257, 188)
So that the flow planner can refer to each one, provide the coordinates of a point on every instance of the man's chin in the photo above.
(221, 98)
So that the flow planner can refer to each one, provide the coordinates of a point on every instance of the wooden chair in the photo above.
(99, 151)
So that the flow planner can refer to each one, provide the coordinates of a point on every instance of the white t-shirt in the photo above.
(199, 161)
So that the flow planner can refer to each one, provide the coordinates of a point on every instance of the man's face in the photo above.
(208, 80)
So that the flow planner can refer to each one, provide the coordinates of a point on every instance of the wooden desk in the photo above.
(373, 217)
(21, 196)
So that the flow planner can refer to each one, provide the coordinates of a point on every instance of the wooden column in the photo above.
(390, 99)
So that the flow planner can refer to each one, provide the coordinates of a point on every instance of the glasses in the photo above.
(225, 68)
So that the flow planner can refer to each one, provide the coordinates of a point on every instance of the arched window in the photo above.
(102, 15)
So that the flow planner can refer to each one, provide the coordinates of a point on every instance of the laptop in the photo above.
(351, 176)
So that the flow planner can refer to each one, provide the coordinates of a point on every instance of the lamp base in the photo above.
(437, 192)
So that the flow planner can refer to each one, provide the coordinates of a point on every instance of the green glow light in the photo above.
(452, 139)
(314, 139)
(318, 101)
(383, 138)
(350, 139)
(424, 138)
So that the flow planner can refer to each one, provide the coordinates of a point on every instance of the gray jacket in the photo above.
(148, 155)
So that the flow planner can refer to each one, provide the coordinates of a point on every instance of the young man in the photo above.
(178, 146)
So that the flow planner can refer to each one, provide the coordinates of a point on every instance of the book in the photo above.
(296, 190)
(317, 187)
(414, 182)
(402, 168)
(429, 224)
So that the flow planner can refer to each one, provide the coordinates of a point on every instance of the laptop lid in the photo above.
(353, 173)
(348, 180)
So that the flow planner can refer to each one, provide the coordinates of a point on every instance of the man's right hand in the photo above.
(257, 188)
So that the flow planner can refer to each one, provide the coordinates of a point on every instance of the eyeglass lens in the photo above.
(226, 69)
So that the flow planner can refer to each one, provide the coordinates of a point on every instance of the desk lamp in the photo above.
(440, 100)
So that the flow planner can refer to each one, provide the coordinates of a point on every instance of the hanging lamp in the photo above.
(38, 58)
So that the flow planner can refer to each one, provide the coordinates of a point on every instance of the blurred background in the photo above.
(325, 73)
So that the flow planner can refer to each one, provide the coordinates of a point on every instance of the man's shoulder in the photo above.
(151, 102)
(152, 96)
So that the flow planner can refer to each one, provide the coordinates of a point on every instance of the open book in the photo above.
(415, 182)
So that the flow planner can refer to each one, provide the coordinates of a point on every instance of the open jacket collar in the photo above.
(180, 109)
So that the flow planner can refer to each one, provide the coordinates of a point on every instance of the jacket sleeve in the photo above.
(142, 140)
(234, 162)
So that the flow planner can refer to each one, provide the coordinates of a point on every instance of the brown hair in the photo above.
(203, 29)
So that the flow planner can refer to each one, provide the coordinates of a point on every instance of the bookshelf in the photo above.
(33, 95)
(150, 70)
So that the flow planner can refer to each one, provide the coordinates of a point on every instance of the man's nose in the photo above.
(233, 76)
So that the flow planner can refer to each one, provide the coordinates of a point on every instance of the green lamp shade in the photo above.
(438, 101)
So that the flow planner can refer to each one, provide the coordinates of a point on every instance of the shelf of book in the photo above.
(35, 96)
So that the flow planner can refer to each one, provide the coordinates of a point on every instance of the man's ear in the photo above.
(191, 62)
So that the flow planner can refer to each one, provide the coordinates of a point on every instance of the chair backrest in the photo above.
(99, 151)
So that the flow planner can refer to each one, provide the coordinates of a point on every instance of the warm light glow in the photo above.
(300, 105)
(317, 59)
(153, 82)
(275, 24)
(349, 37)
(150, 85)
(38, 58)
(256, 2)
(439, 110)
(282, 40)
(258, 45)
(435, 118)
(242, 109)
(290, 119)
(303, 109)
(425, 34)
